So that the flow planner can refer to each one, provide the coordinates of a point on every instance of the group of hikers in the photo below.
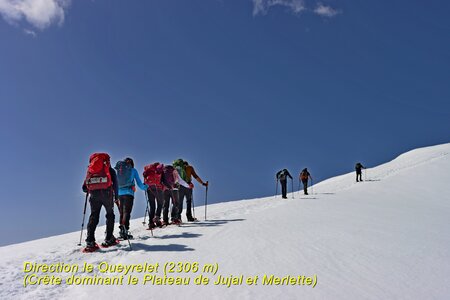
(282, 177)
(304, 176)
(164, 185)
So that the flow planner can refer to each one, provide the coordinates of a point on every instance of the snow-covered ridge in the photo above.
(404, 162)
(385, 238)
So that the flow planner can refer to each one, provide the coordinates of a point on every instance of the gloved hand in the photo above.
(191, 185)
(205, 183)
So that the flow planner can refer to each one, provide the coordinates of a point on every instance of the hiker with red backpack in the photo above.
(127, 176)
(101, 185)
(172, 181)
(304, 176)
(152, 177)
(186, 172)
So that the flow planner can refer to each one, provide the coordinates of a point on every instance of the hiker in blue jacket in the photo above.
(127, 175)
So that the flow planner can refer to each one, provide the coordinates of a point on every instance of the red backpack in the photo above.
(98, 176)
(152, 175)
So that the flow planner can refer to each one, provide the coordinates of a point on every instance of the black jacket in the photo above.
(282, 174)
(358, 167)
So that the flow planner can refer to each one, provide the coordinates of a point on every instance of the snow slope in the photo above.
(385, 238)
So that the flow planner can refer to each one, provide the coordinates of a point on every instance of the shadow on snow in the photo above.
(161, 248)
(177, 236)
(210, 223)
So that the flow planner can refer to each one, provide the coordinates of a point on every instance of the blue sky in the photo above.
(240, 89)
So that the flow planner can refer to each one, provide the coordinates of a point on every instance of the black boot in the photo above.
(110, 242)
(122, 232)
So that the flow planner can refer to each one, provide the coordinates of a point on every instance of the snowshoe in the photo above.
(176, 222)
(192, 219)
(127, 237)
(90, 247)
(111, 242)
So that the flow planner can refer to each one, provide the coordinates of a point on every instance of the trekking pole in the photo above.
(292, 187)
(312, 186)
(192, 200)
(365, 174)
(299, 187)
(84, 215)
(276, 189)
(146, 209)
(206, 198)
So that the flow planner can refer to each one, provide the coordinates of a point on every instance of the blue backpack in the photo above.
(124, 178)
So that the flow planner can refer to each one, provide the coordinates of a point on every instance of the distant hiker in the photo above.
(127, 175)
(358, 168)
(282, 176)
(155, 196)
(172, 182)
(186, 172)
(101, 184)
(304, 176)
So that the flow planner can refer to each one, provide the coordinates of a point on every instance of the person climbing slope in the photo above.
(101, 185)
(186, 172)
(127, 176)
(172, 181)
(304, 176)
(358, 169)
(155, 195)
(282, 176)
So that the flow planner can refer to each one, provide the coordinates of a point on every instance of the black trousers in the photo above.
(185, 192)
(283, 188)
(155, 199)
(96, 200)
(358, 175)
(125, 208)
(305, 186)
(170, 194)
